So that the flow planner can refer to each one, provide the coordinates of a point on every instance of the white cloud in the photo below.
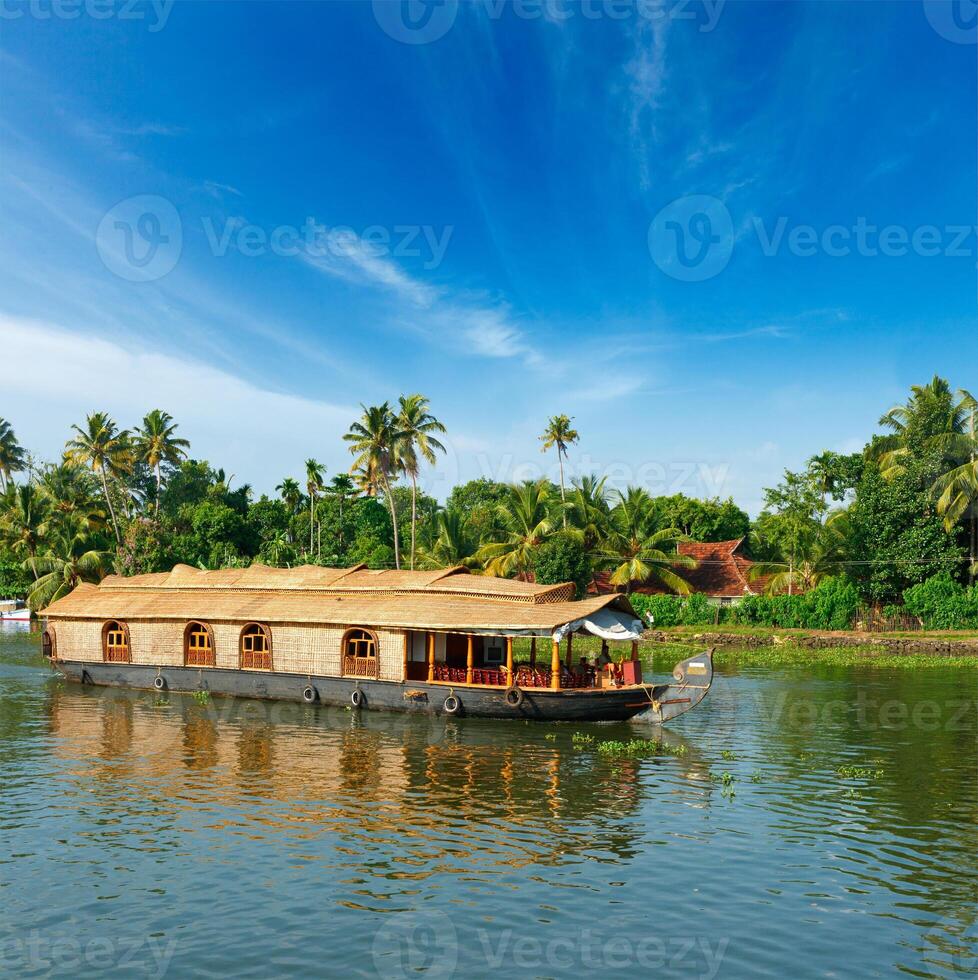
(259, 435)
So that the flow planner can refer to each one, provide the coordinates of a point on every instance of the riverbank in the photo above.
(905, 644)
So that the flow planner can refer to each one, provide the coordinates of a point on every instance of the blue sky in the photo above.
(496, 216)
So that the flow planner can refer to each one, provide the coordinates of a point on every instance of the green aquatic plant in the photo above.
(728, 756)
(859, 772)
(202, 697)
(582, 740)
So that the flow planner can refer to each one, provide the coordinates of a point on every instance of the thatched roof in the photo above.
(448, 600)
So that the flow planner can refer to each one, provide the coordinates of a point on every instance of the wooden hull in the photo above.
(477, 702)
(657, 703)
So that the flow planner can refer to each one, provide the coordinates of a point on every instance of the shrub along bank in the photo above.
(940, 603)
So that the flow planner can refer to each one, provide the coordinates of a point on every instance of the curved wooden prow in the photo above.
(693, 678)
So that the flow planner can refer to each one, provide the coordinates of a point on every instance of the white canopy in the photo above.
(608, 623)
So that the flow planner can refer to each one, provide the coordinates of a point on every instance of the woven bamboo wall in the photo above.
(296, 648)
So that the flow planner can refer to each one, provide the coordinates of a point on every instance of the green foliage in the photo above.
(896, 535)
(147, 547)
(14, 580)
(478, 501)
(703, 520)
(941, 603)
(832, 605)
(561, 558)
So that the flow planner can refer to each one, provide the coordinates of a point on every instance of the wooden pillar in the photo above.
(533, 652)
(604, 649)
(431, 657)
(407, 648)
(509, 660)
(570, 652)
(469, 659)
(555, 667)
(634, 649)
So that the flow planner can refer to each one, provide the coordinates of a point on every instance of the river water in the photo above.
(804, 822)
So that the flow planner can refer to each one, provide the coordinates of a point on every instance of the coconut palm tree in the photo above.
(525, 524)
(820, 557)
(99, 445)
(957, 489)
(365, 480)
(342, 487)
(637, 551)
(23, 518)
(417, 426)
(314, 483)
(154, 443)
(291, 494)
(559, 434)
(69, 563)
(376, 441)
(13, 458)
(454, 543)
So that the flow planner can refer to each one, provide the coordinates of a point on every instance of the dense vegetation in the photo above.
(891, 524)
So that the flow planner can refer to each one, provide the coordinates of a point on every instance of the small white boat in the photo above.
(12, 610)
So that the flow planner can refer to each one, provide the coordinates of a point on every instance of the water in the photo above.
(157, 836)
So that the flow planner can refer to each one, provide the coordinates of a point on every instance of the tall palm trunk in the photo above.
(108, 500)
(159, 487)
(312, 500)
(414, 513)
(563, 496)
(390, 503)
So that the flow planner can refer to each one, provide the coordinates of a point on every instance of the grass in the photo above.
(735, 629)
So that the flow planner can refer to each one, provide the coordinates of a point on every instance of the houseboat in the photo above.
(442, 641)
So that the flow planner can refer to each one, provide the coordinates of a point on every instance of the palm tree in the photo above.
(341, 487)
(525, 525)
(417, 425)
(454, 543)
(365, 480)
(376, 442)
(637, 550)
(155, 444)
(68, 564)
(560, 434)
(588, 511)
(13, 458)
(957, 489)
(314, 483)
(291, 494)
(99, 445)
(23, 518)
(821, 556)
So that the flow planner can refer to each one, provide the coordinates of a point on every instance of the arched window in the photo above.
(198, 645)
(359, 653)
(256, 647)
(49, 643)
(115, 643)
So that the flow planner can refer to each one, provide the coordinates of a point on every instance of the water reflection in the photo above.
(481, 793)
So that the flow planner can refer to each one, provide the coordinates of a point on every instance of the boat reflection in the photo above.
(464, 791)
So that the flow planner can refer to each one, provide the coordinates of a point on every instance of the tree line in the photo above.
(134, 500)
